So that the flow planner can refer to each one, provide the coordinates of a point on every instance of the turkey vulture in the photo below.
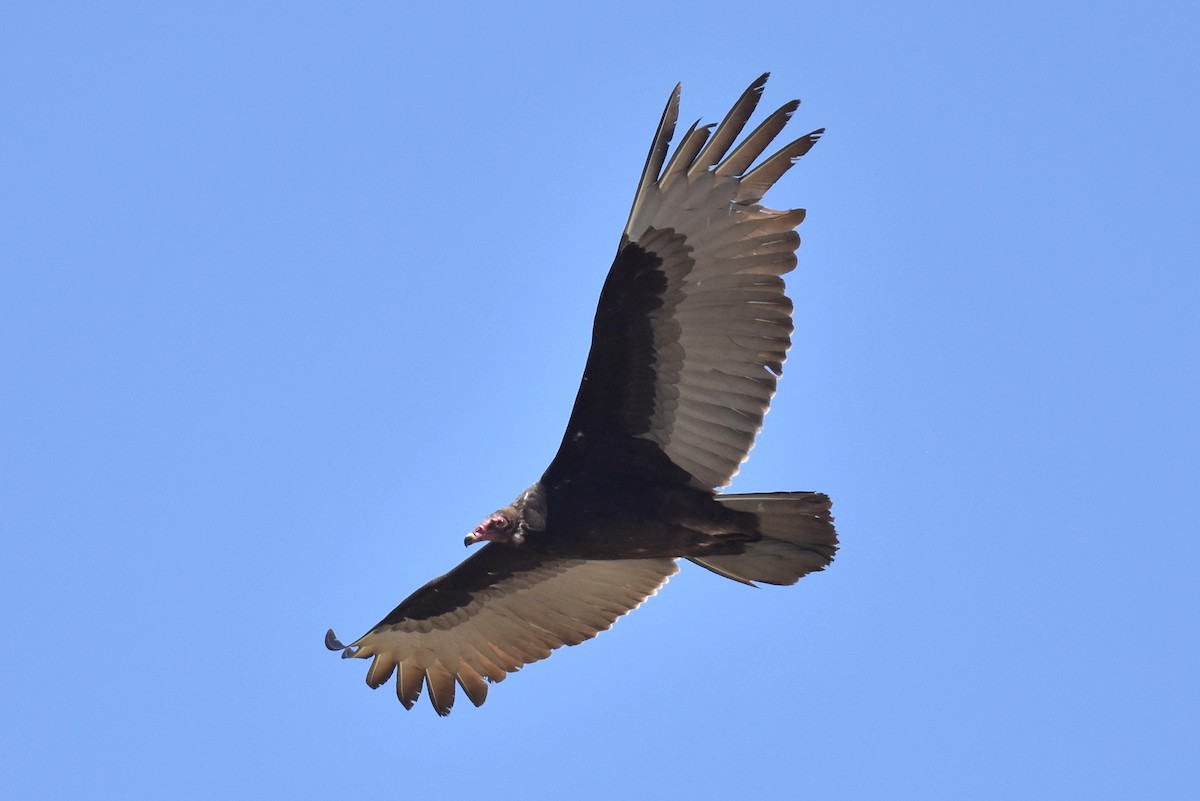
(688, 342)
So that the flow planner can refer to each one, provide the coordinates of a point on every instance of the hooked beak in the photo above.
(471, 539)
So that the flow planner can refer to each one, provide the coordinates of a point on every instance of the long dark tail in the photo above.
(798, 538)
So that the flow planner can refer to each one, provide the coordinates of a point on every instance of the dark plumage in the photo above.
(690, 336)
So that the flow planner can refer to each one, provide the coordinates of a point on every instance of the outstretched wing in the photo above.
(499, 610)
(693, 324)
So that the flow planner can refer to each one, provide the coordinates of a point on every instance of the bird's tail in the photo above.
(798, 538)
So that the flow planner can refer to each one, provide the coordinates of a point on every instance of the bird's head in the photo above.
(510, 524)
(501, 526)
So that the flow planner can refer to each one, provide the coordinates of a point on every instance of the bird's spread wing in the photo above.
(499, 610)
(693, 324)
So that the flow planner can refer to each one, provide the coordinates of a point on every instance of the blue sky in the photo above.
(294, 294)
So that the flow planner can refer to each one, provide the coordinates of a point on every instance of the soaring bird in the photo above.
(689, 340)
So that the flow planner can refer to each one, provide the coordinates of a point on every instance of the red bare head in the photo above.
(498, 527)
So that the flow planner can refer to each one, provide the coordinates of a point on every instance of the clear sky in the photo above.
(293, 294)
